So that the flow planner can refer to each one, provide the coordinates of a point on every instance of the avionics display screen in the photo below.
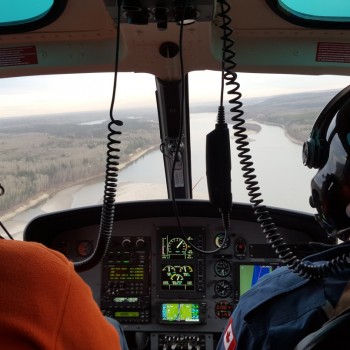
(180, 313)
(180, 268)
(126, 300)
(177, 277)
(126, 273)
(175, 247)
(250, 275)
(124, 314)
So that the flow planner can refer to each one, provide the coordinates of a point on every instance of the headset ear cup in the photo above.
(312, 153)
(315, 150)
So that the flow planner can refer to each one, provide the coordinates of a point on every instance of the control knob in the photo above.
(140, 243)
(126, 243)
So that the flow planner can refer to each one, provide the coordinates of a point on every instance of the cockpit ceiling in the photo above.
(82, 39)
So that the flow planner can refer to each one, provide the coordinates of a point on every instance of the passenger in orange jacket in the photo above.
(44, 304)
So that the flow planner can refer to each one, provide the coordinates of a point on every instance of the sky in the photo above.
(88, 92)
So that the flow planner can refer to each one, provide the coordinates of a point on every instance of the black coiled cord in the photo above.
(111, 176)
(2, 192)
(108, 205)
(273, 237)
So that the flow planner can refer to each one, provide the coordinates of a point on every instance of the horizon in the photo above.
(147, 109)
(59, 94)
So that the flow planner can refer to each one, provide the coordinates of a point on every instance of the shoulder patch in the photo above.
(229, 337)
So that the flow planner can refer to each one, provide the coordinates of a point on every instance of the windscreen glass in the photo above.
(23, 11)
(53, 135)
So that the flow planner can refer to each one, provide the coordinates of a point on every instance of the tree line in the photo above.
(52, 156)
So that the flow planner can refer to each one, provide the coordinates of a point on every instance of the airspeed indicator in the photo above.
(177, 246)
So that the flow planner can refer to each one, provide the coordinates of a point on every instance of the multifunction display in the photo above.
(249, 274)
(182, 313)
(180, 277)
(181, 263)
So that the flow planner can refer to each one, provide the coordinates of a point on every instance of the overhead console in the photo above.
(157, 279)
(161, 12)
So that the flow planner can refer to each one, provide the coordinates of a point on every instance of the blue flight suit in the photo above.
(283, 308)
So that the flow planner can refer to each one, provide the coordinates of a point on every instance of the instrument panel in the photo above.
(158, 279)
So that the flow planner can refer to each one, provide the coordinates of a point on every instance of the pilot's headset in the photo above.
(328, 149)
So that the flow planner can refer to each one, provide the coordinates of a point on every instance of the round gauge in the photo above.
(186, 269)
(222, 268)
(177, 277)
(219, 239)
(177, 246)
(169, 269)
(222, 288)
(84, 248)
(223, 309)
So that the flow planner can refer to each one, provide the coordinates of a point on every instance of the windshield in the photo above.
(53, 139)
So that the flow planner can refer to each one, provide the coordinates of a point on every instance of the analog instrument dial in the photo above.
(222, 268)
(223, 289)
(219, 238)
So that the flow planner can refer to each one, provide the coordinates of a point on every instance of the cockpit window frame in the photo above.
(310, 22)
(52, 14)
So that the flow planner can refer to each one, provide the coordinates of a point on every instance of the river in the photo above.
(283, 180)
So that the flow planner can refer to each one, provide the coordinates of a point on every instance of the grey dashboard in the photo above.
(158, 279)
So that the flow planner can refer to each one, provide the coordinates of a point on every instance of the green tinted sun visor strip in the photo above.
(314, 13)
(18, 16)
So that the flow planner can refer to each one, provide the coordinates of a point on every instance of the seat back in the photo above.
(334, 334)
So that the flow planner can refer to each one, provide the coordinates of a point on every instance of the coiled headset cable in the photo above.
(111, 175)
(2, 192)
(273, 237)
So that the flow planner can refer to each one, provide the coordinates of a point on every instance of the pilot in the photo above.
(284, 307)
(44, 304)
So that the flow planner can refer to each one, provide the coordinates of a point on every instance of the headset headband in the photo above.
(313, 149)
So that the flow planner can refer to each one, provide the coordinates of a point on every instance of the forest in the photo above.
(296, 113)
(43, 154)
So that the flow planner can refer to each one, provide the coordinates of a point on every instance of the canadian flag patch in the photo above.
(229, 337)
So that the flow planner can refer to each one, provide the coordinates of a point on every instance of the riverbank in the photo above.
(135, 182)
(64, 194)
(285, 130)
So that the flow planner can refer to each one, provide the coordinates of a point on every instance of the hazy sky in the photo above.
(82, 92)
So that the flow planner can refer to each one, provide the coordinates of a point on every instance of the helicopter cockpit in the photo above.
(172, 268)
